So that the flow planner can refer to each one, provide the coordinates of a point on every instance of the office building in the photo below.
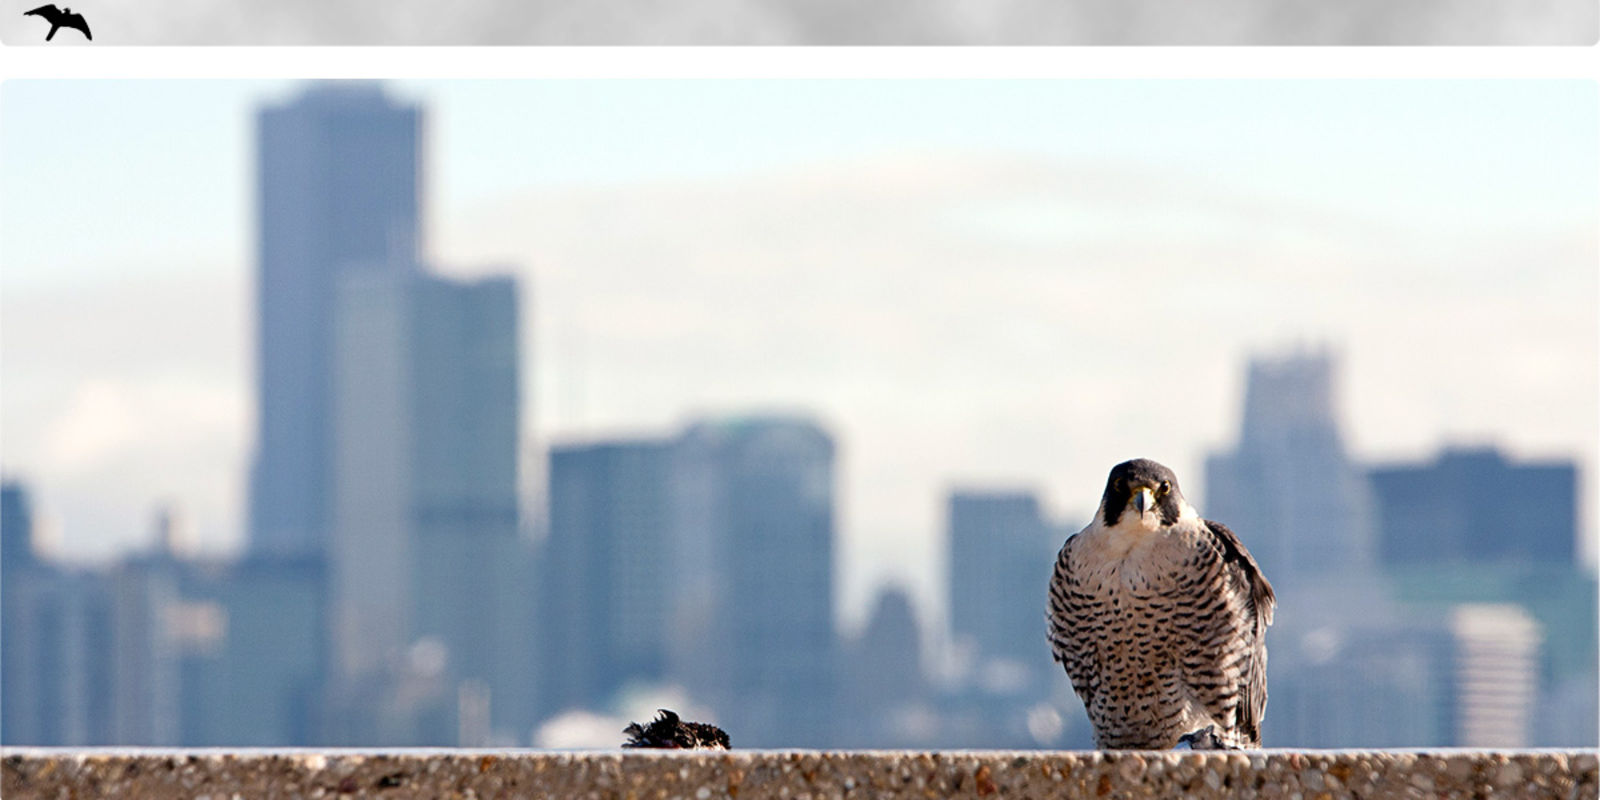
(17, 531)
(1473, 506)
(254, 673)
(425, 538)
(1288, 488)
(885, 689)
(1360, 682)
(607, 575)
(337, 175)
(55, 634)
(1496, 675)
(753, 627)
(1001, 551)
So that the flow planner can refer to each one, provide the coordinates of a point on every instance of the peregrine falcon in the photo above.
(1160, 619)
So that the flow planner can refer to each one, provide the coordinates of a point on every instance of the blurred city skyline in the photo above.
(906, 311)
(989, 284)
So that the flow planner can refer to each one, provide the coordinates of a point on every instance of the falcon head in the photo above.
(1143, 493)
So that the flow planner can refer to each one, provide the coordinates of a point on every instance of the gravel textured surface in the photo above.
(799, 775)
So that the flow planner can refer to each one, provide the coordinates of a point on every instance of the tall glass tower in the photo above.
(424, 545)
(999, 541)
(1289, 488)
(608, 580)
(753, 633)
(337, 177)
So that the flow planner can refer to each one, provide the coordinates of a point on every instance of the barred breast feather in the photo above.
(1163, 634)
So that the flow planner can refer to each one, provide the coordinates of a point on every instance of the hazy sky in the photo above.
(1013, 283)
(832, 22)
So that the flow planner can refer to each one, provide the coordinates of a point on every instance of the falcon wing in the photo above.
(76, 21)
(50, 13)
(1262, 600)
(1247, 650)
(1069, 609)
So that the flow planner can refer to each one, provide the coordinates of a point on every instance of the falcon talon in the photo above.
(1159, 618)
(1203, 739)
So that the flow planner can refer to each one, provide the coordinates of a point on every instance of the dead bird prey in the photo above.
(668, 732)
(1160, 618)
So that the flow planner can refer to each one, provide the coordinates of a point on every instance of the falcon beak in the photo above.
(1144, 500)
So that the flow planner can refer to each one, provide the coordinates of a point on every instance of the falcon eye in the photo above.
(1165, 487)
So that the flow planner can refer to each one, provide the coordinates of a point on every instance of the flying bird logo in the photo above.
(60, 18)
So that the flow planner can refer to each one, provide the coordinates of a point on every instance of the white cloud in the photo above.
(943, 347)
(109, 421)
(121, 396)
(96, 425)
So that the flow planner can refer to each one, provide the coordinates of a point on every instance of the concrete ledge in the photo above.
(403, 774)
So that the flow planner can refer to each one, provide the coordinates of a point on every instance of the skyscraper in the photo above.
(55, 631)
(147, 652)
(471, 563)
(56, 681)
(259, 684)
(1472, 506)
(1288, 488)
(1000, 556)
(1496, 675)
(1381, 681)
(753, 628)
(608, 579)
(1473, 530)
(16, 526)
(882, 675)
(337, 182)
(425, 541)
